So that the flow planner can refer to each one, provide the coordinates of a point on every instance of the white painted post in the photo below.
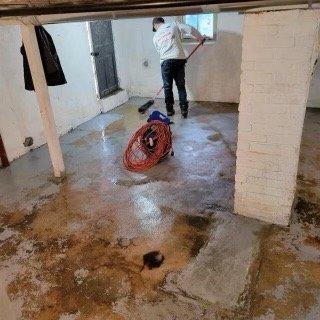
(29, 39)
(278, 54)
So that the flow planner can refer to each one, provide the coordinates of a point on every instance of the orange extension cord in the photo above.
(151, 143)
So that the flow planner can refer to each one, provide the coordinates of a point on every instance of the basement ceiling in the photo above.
(39, 12)
(46, 7)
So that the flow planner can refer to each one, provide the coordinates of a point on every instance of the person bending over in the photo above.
(168, 43)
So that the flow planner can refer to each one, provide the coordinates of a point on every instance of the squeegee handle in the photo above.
(195, 49)
(157, 93)
(191, 53)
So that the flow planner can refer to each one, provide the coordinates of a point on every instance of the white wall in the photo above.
(72, 103)
(213, 73)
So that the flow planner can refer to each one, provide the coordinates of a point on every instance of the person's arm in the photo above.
(155, 45)
(186, 29)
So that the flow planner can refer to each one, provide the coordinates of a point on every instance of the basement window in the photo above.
(205, 23)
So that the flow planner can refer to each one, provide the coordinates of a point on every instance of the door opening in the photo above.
(104, 57)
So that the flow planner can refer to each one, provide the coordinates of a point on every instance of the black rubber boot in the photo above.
(184, 110)
(170, 111)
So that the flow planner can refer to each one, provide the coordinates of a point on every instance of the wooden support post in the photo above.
(30, 42)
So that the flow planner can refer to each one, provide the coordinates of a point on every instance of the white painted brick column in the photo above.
(279, 51)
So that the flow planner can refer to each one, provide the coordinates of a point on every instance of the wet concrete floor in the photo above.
(74, 250)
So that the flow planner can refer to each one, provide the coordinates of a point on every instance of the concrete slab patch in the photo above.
(220, 271)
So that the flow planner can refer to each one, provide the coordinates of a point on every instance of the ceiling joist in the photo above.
(54, 11)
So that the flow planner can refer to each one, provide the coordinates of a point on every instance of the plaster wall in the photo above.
(72, 103)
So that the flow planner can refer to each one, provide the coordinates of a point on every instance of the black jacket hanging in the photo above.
(50, 60)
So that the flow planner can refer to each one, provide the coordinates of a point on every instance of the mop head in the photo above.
(146, 106)
(149, 145)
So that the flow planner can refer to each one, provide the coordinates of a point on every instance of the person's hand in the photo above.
(202, 41)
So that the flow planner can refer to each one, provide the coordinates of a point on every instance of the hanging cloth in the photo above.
(50, 61)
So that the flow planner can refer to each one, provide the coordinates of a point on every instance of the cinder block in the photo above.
(251, 163)
(263, 128)
(273, 66)
(255, 53)
(265, 191)
(261, 157)
(250, 172)
(286, 30)
(280, 88)
(270, 108)
(283, 139)
(289, 99)
(262, 88)
(247, 65)
(240, 179)
(274, 214)
(271, 119)
(264, 30)
(257, 200)
(250, 20)
(256, 77)
(296, 54)
(272, 149)
(269, 41)
(283, 185)
(285, 175)
(271, 200)
(243, 145)
(246, 94)
(245, 107)
(244, 124)
(307, 29)
(280, 17)
(271, 18)
(250, 136)
(259, 98)
(306, 41)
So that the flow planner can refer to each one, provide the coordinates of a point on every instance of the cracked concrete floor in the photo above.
(74, 250)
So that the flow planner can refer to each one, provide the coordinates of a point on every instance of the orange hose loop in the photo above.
(151, 143)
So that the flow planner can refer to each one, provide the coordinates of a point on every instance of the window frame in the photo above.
(189, 39)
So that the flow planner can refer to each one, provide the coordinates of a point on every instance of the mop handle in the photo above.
(191, 53)
(196, 48)
(155, 96)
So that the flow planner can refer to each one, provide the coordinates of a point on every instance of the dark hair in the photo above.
(156, 20)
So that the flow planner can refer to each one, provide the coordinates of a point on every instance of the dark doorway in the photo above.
(104, 57)
(4, 162)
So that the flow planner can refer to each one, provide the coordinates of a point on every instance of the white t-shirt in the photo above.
(167, 40)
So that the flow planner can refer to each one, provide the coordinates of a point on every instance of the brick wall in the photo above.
(279, 51)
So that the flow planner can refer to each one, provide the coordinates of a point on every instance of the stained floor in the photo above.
(74, 250)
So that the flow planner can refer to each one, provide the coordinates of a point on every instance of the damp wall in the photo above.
(73, 103)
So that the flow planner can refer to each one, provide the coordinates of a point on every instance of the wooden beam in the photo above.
(79, 9)
(3, 154)
(29, 39)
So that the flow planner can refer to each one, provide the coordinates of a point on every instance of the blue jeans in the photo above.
(174, 69)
